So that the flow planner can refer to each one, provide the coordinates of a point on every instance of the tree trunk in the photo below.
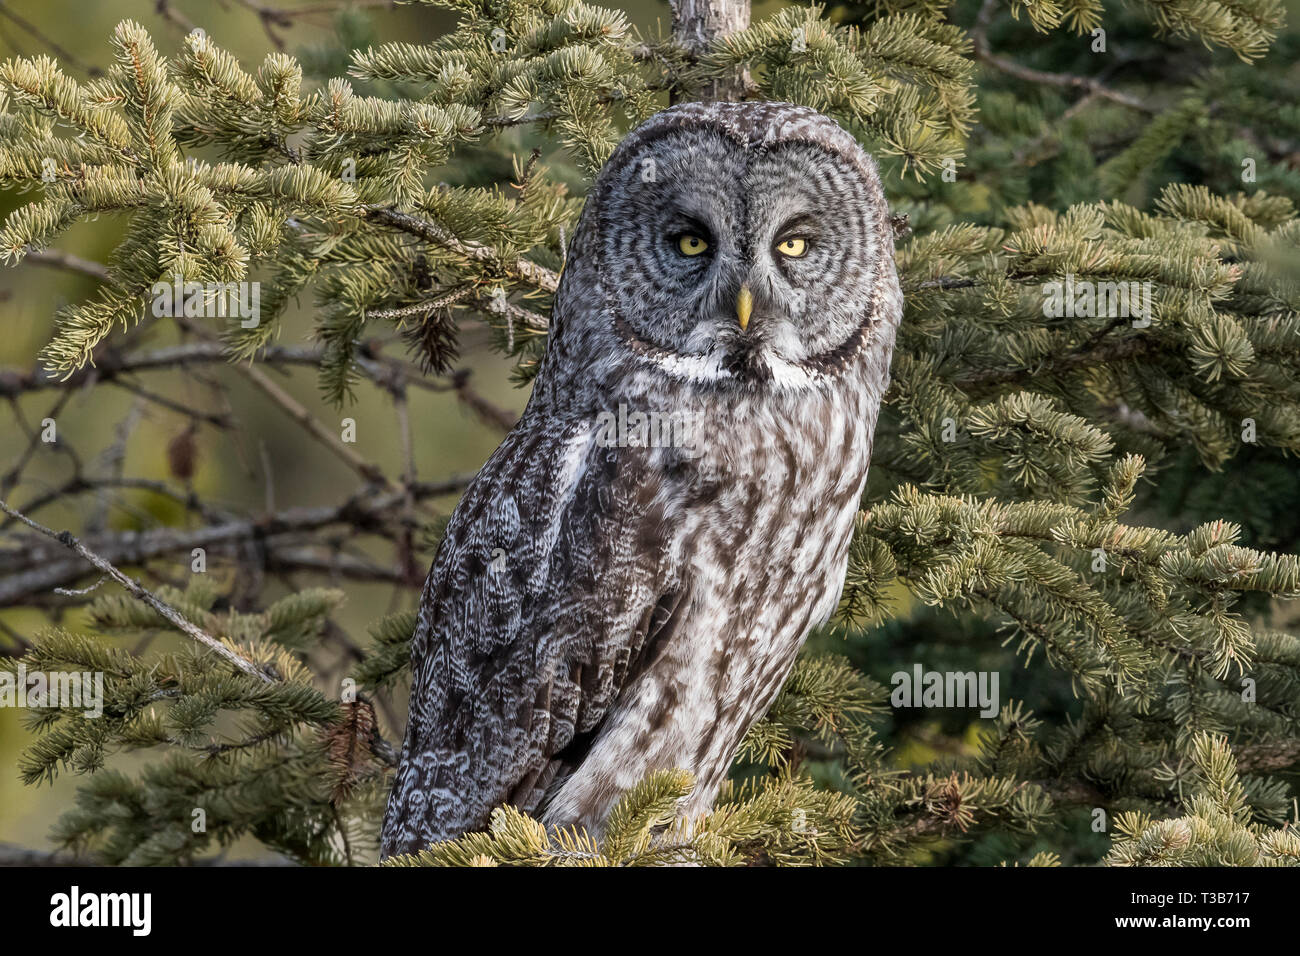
(698, 23)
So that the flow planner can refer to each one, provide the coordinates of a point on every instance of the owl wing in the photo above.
(550, 589)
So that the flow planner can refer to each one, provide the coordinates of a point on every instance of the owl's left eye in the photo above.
(792, 248)
(689, 244)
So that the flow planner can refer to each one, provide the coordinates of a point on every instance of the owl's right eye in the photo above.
(689, 244)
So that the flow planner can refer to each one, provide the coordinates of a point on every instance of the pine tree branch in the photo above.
(528, 272)
(984, 53)
(1088, 355)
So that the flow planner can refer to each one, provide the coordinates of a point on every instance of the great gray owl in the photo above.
(625, 585)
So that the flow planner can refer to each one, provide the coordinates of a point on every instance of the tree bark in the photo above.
(698, 23)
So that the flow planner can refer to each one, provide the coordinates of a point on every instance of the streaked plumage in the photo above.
(597, 612)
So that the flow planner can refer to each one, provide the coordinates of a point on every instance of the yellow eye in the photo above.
(794, 247)
(691, 245)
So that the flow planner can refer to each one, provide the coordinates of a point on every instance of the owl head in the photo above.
(730, 244)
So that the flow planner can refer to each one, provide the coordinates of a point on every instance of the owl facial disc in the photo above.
(739, 244)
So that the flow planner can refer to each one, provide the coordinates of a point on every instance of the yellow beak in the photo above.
(744, 306)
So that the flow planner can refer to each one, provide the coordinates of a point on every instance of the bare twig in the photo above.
(112, 362)
(215, 419)
(442, 300)
(11, 477)
(268, 475)
(57, 259)
(943, 282)
(283, 17)
(172, 15)
(77, 592)
(139, 591)
(491, 415)
(79, 483)
(112, 459)
(299, 413)
(30, 573)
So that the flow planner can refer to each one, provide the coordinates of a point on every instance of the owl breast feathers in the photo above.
(626, 584)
